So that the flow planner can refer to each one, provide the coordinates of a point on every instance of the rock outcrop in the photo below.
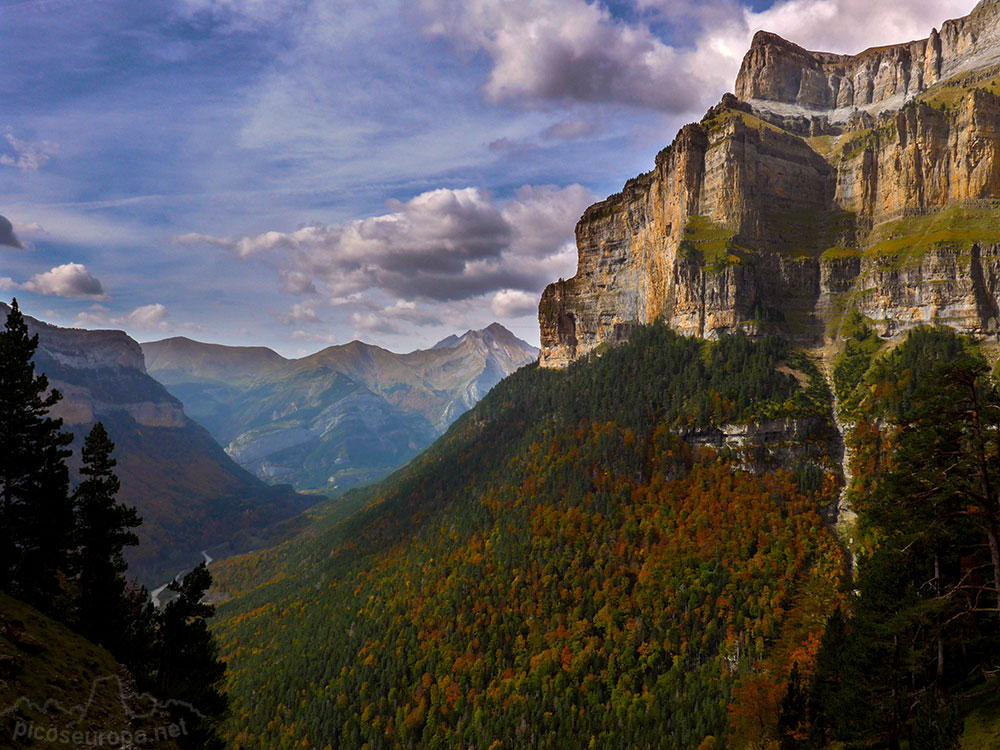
(782, 77)
(831, 182)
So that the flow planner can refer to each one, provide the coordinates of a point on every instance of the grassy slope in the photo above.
(46, 671)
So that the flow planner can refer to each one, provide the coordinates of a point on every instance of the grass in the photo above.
(952, 92)
(982, 723)
(823, 144)
(709, 243)
(722, 119)
(906, 241)
(840, 253)
(44, 663)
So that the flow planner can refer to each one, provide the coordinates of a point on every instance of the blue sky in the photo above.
(299, 173)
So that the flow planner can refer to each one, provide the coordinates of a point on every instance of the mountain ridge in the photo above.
(340, 416)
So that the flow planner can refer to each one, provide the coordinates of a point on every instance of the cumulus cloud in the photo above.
(152, 317)
(397, 318)
(513, 303)
(7, 235)
(545, 51)
(28, 157)
(71, 280)
(442, 245)
(300, 314)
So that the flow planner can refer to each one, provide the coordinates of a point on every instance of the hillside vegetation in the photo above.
(560, 570)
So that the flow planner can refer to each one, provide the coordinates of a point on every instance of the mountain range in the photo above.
(339, 417)
(745, 500)
(693, 525)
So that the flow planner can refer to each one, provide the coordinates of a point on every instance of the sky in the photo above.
(302, 173)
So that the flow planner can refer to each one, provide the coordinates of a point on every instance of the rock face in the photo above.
(830, 182)
(783, 77)
(345, 415)
(189, 493)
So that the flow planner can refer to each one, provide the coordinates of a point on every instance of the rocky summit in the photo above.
(827, 183)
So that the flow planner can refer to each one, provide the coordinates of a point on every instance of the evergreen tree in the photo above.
(138, 648)
(103, 531)
(189, 668)
(925, 622)
(36, 511)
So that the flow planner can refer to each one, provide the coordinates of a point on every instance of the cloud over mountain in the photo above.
(152, 317)
(71, 280)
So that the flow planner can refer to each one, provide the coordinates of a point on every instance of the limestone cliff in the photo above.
(780, 76)
(832, 182)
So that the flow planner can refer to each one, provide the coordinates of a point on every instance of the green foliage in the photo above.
(36, 513)
(103, 531)
(861, 344)
(189, 669)
(562, 569)
(925, 626)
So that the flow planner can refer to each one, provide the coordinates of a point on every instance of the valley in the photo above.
(744, 496)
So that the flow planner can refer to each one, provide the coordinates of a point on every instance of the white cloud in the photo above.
(71, 280)
(28, 157)
(442, 245)
(512, 303)
(300, 314)
(398, 318)
(546, 51)
(147, 317)
(152, 317)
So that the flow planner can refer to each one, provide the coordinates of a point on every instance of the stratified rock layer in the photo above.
(780, 76)
(778, 212)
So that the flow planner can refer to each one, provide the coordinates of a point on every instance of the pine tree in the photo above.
(189, 669)
(103, 531)
(36, 512)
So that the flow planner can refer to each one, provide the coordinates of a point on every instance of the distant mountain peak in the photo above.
(494, 331)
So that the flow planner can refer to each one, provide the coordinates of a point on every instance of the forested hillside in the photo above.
(561, 569)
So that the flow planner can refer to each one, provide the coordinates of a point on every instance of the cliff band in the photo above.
(828, 183)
